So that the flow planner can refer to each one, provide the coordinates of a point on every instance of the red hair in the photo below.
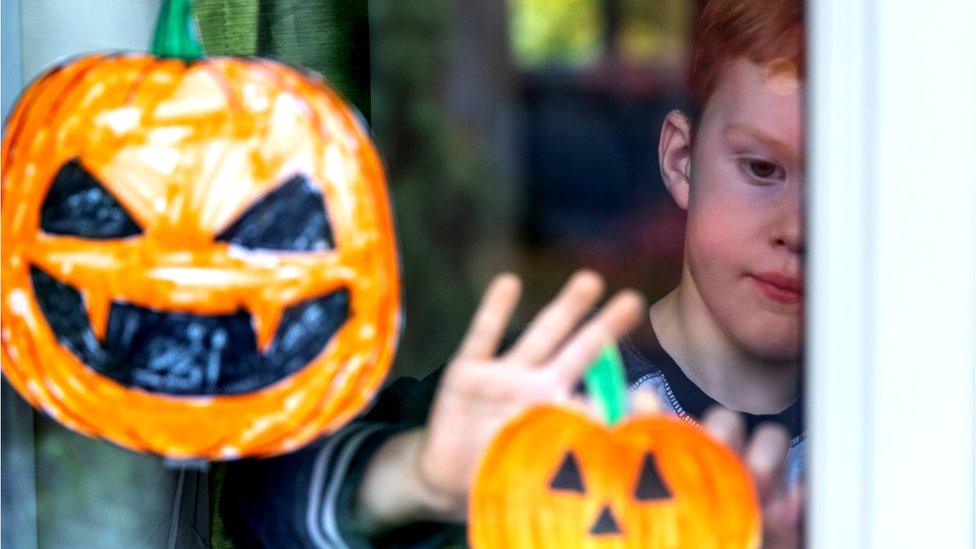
(759, 30)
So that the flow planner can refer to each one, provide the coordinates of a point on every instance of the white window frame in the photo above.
(892, 270)
(34, 38)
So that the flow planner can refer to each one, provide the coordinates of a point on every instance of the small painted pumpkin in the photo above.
(198, 254)
(556, 478)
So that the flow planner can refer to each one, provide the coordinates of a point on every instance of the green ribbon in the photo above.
(605, 382)
(176, 34)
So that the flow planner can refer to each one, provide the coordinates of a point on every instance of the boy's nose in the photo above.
(606, 523)
(792, 239)
(791, 234)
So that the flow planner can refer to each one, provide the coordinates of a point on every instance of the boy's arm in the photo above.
(306, 498)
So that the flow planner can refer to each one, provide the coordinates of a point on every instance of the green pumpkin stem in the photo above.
(605, 382)
(175, 35)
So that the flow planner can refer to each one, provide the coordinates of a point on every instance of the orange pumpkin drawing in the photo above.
(198, 256)
(556, 478)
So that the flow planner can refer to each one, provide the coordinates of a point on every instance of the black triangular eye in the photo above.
(291, 218)
(650, 485)
(78, 205)
(568, 476)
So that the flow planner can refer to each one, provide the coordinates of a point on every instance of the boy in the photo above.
(729, 334)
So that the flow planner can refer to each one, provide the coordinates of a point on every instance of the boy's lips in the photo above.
(784, 289)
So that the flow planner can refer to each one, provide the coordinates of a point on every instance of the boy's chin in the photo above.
(769, 337)
(777, 353)
(785, 355)
(774, 348)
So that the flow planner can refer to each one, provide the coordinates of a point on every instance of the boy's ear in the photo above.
(674, 156)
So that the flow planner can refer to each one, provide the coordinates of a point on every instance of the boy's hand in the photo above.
(765, 455)
(480, 390)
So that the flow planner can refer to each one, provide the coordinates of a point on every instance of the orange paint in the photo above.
(711, 500)
(186, 148)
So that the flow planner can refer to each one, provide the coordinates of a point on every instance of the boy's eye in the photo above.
(762, 172)
(763, 169)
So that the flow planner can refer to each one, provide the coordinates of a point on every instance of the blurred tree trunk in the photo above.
(482, 97)
(442, 115)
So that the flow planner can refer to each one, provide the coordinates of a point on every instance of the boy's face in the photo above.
(745, 237)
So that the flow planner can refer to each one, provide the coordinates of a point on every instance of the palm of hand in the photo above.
(480, 392)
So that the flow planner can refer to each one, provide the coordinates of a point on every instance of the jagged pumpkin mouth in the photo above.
(187, 354)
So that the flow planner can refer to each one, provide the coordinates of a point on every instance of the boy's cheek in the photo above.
(722, 253)
(718, 235)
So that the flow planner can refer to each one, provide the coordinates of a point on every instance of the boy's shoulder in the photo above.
(650, 367)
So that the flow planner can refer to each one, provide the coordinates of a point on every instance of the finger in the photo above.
(766, 458)
(725, 425)
(620, 315)
(644, 401)
(558, 319)
(585, 405)
(783, 519)
(489, 322)
(787, 510)
(797, 494)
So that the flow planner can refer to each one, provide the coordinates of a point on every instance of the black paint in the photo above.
(78, 205)
(606, 523)
(187, 354)
(568, 476)
(650, 485)
(290, 218)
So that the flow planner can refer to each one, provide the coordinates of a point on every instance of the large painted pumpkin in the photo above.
(198, 255)
(556, 478)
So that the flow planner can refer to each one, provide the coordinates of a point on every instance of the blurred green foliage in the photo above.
(655, 31)
(556, 32)
(573, 32)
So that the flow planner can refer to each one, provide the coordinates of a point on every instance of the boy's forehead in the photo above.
(759, 99)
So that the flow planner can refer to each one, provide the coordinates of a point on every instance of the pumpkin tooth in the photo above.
(266, 318)
(97, 304)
